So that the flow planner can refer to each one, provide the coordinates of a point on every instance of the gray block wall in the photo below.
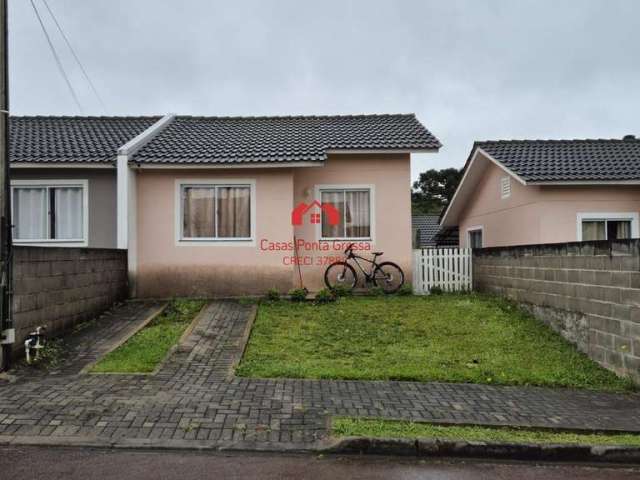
(589, 292)
(60, 287)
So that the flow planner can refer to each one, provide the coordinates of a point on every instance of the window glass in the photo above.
(475, 239)
(30, 213)
(68, 213)
(234, 219)
(618, 229)
(216, 211)
(593, 230)
(354, 207)
(198, 212)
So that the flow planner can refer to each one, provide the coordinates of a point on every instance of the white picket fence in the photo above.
(447, 268)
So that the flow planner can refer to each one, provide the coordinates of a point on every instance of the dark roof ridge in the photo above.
(555, 140)
(84, 117)
(293, 117)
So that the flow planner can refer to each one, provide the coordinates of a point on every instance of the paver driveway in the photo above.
(195, 400)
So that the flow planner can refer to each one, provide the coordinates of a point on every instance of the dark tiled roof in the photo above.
(72, 139)
(430, 234)
(568, 160)
(281, 139)
(447, 237)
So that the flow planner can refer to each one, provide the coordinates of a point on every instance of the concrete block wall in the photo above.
(587, 291)
(60, 287)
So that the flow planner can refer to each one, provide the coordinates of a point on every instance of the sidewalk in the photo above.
(194, 401)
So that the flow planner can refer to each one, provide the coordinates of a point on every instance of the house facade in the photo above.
(204, 204)
(548, 191)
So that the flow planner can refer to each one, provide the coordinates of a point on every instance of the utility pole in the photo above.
(7, 337)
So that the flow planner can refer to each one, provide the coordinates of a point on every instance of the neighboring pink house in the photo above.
(204, 205)
(520, 192)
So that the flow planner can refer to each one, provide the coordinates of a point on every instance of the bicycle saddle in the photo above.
(377, 253)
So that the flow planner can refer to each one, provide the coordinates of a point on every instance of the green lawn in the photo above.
(450, 338)
(354, 427)
(147, 348)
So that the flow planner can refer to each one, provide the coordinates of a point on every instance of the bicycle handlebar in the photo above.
(349, 248)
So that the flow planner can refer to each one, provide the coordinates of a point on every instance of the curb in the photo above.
(426, 447)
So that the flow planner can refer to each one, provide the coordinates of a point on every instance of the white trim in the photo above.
(210, 242)
(474, 228)
(52, 183)
(207, 166)
(139, 141)
(633, 217)
(477, 152)
(372, 210)
(60, 165)
(499, 164)
(379, 151)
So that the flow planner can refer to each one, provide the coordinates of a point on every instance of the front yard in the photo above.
(449, 338)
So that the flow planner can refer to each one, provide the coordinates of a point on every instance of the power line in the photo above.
(73, 52)
(57, 58)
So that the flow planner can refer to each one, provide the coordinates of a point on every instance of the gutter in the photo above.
(126, 194)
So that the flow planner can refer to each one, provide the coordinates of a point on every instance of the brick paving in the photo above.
(195, 400)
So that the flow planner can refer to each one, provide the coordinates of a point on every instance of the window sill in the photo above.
(51, 243)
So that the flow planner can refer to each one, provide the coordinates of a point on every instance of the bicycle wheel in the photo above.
(340, 274)
(389, 277)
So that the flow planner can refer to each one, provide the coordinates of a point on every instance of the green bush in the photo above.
(325, 296)
(405, 290)
(436, 290)
(298, 294)
(342, 291)
(375, 292)
(273, 295)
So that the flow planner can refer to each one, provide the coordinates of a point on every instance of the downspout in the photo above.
(127, 195)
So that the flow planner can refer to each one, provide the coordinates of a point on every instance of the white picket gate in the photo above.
(446, 268)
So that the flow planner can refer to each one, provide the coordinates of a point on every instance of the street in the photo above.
(76, 463)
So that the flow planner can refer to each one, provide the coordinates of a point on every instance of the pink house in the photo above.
(204, 205)
(521, 192)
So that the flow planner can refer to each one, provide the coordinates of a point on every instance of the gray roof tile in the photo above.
(72, 139)
(431, 234)
(568, 160)
(281, 139)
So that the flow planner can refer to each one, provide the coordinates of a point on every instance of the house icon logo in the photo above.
(298, 213)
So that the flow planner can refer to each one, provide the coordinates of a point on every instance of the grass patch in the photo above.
(355, 427)
(147, 348)
(450, 338)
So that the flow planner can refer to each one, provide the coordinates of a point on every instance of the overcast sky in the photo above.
(470, 70)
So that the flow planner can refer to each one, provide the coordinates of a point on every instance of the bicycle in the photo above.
(386, 275)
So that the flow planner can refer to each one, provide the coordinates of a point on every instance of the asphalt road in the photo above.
(72, 463)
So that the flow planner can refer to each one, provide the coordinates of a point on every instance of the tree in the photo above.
(433, 191)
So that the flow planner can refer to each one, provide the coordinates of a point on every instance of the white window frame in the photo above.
(209, 241)
(633, 217)
(52, 183)
(475, 228)
(372, 210)
(505, 184)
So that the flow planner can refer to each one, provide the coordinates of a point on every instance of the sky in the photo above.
(470, 70)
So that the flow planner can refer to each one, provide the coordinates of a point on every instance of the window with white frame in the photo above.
(354, 206)
(607, 226)
(475, 238)
(49, 211)
(215, 211)
(505, 187)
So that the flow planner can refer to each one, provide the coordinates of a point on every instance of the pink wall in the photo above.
(166, 268)
(391, 177)
(537, 214)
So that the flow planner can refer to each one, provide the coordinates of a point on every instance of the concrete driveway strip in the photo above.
(195, 401)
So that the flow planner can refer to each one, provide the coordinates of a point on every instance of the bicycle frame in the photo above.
(368, 276)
